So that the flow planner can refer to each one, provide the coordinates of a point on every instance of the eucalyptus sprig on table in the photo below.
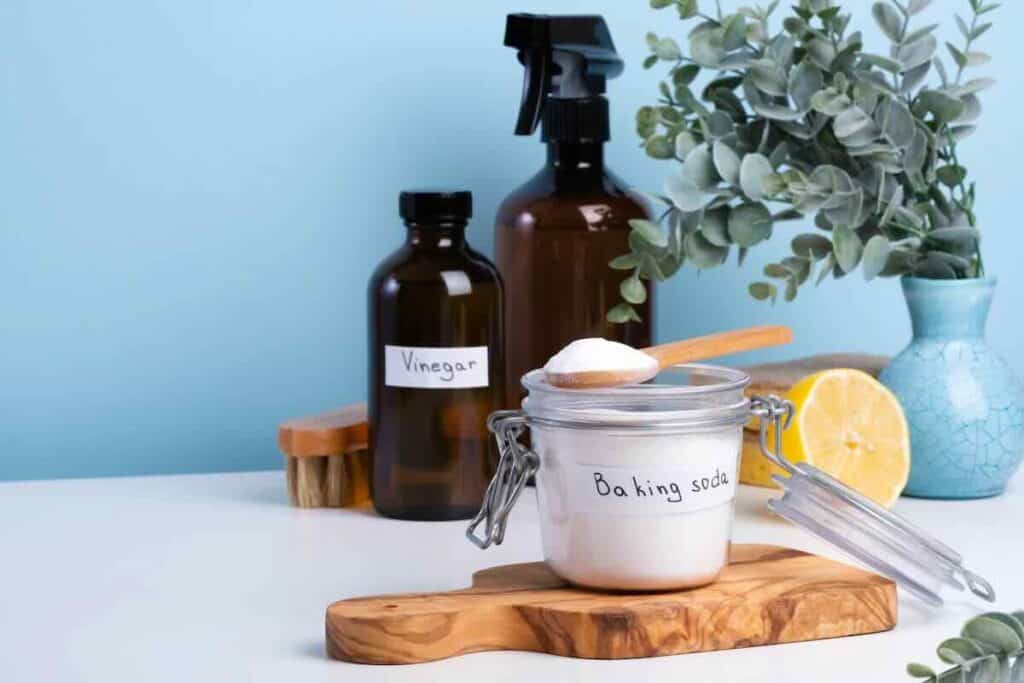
(990, 649)
(807, 119)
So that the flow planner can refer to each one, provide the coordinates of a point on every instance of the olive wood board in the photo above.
(766, 595)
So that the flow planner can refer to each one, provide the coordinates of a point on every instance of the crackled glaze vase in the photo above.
(964, 405)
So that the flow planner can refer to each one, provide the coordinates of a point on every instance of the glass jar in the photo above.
(636, 485)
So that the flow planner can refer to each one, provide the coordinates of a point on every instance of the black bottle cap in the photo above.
(581, 120)
(435, 206)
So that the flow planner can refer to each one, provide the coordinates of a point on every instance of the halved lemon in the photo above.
(849, 425)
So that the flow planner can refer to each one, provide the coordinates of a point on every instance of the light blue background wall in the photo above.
(193, 194)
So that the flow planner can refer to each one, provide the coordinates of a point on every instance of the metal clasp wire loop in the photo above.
(516, 465)
(773, 411)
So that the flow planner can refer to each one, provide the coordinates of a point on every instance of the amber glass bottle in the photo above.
(436, 365)
(554, 237)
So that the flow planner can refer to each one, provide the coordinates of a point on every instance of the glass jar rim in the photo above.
(718, 401)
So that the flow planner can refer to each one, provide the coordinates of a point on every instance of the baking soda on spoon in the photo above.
(594, 354)
(595, 363)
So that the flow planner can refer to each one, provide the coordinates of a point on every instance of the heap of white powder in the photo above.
(594, 354)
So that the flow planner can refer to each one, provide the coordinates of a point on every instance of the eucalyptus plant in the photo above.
(806, 122)
(989, 649)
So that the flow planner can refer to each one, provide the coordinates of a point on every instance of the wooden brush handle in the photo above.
(334, 433)
(720, 344)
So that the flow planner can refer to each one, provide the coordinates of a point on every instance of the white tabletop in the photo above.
(216, 578)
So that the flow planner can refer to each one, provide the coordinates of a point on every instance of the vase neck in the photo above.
(948, 308)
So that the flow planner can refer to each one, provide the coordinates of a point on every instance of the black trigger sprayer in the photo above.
(568, 60)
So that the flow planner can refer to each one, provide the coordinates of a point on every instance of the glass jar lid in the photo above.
(684, 396)
(867, 532)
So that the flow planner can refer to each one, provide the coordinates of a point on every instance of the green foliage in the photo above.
(803, 116)
(990, 649)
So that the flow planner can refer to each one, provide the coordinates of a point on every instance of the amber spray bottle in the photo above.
(555, 235)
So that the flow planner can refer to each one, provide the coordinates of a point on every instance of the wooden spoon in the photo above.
(674, 353)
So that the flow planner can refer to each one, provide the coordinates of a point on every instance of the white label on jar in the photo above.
(424, 367)
(653, 490)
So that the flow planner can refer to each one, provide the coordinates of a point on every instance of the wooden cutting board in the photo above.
(766, 595)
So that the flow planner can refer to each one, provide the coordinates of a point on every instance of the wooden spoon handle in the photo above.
(720, 344)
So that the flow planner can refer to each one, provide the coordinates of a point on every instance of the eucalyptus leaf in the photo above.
(702, 253)
(727, 162)
(920, 671)
(830, 102)
(658, 147)
(799, 268)
(633, 291)
(684, 193)
(974, 86)
(707, 47)
(768, 77)
(942, 106)
(1010, 620)
(625, 262)
(778, 271)
(623, 313)
(848, 248)
(700, 169)
(717, 124)
(875, 257)
(714, 227)
(667, 49)
(750, 224)
(972, 109)
(899, 125)
(852, 120)
(935, 267)
(914, 77)
(821, 52)
(888, 19)
(900, 263)
(763, 291)
(881, 62)
(817, 246)
(917, 152)
(791, 289)
(804, 81)
(734, 32)
(951, 175)
(754, 169)
(827, 267)
(650, 232)
(919, 52)
(685, 143)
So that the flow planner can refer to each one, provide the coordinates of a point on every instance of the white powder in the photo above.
(610, 516)
(594, 354)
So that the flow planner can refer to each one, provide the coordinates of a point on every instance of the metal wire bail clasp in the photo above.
(776, 412)
(516, 465)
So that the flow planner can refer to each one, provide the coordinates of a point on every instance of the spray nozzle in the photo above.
(565, 57)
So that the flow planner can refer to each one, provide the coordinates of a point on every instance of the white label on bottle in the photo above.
(653, 490)
(425, 367)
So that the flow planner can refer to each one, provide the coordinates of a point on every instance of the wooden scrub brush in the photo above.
(326, 458)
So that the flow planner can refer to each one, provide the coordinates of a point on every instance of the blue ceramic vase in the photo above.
(964, 405)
